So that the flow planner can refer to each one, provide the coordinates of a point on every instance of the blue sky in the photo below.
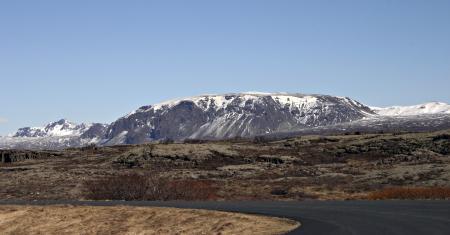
(98, 60)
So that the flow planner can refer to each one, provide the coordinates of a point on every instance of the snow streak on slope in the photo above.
(421, 109)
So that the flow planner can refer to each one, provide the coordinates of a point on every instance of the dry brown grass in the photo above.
(133, 220)
(410, 193)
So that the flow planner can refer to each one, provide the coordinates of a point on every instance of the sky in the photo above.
(94, 61)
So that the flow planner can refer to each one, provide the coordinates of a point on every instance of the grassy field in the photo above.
(133, 220)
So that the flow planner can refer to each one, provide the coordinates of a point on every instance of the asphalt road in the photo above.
(325, 217)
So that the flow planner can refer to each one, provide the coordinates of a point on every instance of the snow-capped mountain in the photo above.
(58, 128)
(421, 109)
(55, 135)
(234, 115)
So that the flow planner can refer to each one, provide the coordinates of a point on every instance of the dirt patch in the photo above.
(134, 220)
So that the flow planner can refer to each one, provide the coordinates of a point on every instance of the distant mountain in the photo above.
(59, 128)
(234, 115)
(421, 109)
(55, 135)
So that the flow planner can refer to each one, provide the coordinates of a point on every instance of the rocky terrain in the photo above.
(346, 166)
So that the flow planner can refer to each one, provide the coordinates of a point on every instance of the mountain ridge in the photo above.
(233, 115)
(62, 127)
(220, 116)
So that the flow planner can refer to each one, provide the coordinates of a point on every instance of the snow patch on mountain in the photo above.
(221, 102)
(295, 102)
(421, 109)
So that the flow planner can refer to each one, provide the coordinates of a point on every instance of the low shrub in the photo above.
(410, 193)
(279, 192)
(149, 187)
(441, 137)
(90, 147)
(194, 141)
(192, 190)
(167, 141)
(261, 139)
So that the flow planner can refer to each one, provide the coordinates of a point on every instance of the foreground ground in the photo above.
(319, 167)
(321, 217)
(133, 220)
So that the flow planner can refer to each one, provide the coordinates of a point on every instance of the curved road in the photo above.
(324, 217)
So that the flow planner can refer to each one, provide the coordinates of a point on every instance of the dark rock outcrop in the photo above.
(9, 156)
